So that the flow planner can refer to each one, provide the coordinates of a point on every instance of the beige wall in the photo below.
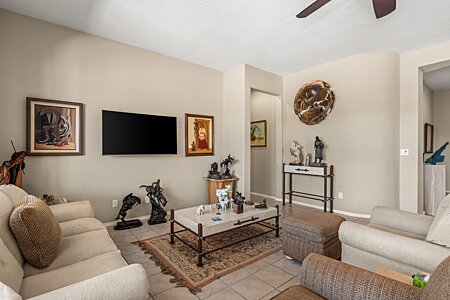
(39, 59)
(263, 159)
(360, 134)
(441, 119)
(412, 66)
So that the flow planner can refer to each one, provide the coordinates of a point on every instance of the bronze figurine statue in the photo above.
(11, 171)
(224, 163)
(318, 149)
(127, 203)
(158, 201)
(214, 173)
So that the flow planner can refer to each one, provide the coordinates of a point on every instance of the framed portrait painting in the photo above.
(199, 137)
(258, 133)
(54, 127)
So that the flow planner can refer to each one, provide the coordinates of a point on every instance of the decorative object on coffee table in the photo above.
(262, 205)
(214, 173)
(258, 133)
(296, 151)
(238, 203)
(314, 102)
(11, 171)
(54, 127)
(318, 151)
(225, 163)
(222, 196)
(127, 203)
(215, 184)
(437, 157)
(200, 210)
(199, 135)
(158, 201)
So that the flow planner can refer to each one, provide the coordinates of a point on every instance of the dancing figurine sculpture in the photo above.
(224, 163)
(296, 151)
(127, 203)
(158, 201)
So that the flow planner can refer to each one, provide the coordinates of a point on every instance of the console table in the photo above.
(326, 173)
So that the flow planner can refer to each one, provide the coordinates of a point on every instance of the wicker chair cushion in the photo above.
(314, 226)
(297, 292)
(37, 231)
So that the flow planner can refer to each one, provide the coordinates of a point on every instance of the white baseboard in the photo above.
(342, 212)
(139, 218)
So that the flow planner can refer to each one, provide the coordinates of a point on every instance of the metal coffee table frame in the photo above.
(201, 238)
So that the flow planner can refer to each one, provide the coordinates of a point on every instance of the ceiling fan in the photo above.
(381, 7)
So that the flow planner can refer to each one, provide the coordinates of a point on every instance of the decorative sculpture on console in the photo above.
(224, 163)
(296, 151)
(158, 201)
(127, 203)
(11, 171)
(437, 156)
(318, 149)
(214, 173)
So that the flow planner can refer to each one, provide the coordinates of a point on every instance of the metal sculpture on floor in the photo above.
(437, 156)
(127, 203)
(158, 201)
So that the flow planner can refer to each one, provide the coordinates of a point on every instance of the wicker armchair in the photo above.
(325, 278)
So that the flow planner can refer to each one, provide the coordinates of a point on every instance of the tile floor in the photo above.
(262, 280)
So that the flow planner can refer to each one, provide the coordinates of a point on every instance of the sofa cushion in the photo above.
(36, 230)
(77, 248)
(81, 225)
(11, 272)
(58, 278)
(6, 207)
(72, 211)
(439, 232)
(14, 193)
(8, 293)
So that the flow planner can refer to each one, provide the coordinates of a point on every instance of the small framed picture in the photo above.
(199, 136)
(429, 132)
(54, 127)
(258, 133)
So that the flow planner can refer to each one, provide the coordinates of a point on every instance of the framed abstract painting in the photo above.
(54, 127)
(199, 135)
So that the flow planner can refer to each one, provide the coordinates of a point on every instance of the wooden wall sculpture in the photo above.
(313, 102)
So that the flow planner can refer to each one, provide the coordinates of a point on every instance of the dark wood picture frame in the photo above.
(72, 142)
(259, 144)
(192, 135)
(428, 138)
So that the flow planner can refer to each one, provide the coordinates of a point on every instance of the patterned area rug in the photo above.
(180, 260)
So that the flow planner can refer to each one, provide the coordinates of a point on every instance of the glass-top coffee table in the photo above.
(203, 226)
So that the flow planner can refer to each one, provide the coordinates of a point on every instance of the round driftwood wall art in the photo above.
(313, 102)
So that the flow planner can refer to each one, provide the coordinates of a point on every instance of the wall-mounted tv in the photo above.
(129, 133)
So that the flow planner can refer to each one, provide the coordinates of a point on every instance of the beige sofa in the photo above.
(394, 239)
(88, 265)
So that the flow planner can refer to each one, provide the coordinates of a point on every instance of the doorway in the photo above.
(265, 140)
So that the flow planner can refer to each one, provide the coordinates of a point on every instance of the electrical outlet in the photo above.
(341, 195)
(404, 152)
(147, 199)
(115, 203)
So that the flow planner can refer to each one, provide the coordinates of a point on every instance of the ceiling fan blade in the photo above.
(383, 7)
(312, 8)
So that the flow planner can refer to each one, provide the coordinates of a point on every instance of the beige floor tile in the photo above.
(151, 268)
(175, 293)
(291, 266)
(160, 283)
(212, 288)
(252, 288)
(271, 295)
(128, 249)
(146, 235)
(294, 281)
(273, 276)
(235, 276)
(138, 257)
(124, 240)
(226, 294)
(274, 257)
(260, 264)
(119, 233)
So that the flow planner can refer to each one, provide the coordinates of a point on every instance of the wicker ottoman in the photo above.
(311, 232)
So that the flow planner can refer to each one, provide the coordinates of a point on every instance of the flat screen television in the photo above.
(129, 133)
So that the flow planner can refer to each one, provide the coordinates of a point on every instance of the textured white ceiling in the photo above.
(438, 80)
(264, 33)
